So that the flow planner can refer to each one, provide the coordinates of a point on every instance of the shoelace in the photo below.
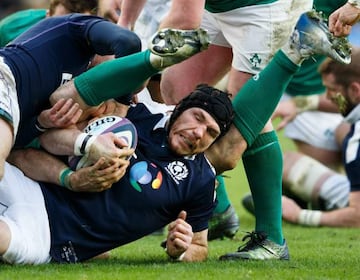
(256, 239)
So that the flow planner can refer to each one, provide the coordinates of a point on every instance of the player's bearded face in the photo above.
(345, 105)
(193, 132)
(338, 94)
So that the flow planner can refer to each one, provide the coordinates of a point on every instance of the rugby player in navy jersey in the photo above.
(48, 55)
(177, 159)
(41, 59)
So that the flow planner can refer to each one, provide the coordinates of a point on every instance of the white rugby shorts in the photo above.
(9, 106)
(315, 128)
(22, 208)
(255, 32)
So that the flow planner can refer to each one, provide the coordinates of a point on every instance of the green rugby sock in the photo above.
(115, 78)
(258, 98)
(263, 165)
(222, 196)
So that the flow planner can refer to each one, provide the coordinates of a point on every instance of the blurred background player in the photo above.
(323, 197)
(19, 21)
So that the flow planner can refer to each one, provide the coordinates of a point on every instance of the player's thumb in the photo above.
(182, 215)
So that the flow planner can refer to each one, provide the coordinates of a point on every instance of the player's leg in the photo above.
(5, 237)
(249, 57)
(6, 143)
(207, 67)
(251, 115)
(225, 221)
(312, 185)
(267, 200)
(316, 184)
(125, 75)
(263, 155)
(263, 159)
(9, 113)
(24, 225)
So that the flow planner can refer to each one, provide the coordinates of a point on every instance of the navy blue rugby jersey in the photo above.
(156, 187)
(351, 156)
(54, 51)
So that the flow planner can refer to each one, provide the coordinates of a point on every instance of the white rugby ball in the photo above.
(121, 127)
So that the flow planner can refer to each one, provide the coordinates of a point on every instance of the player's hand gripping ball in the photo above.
(121, 127)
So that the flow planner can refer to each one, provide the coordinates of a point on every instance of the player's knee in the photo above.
(303, 176)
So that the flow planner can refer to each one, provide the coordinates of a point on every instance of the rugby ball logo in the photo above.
(122, 127)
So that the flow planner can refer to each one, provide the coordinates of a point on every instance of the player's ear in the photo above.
(48, 13)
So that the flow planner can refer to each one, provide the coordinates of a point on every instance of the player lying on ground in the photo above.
(195, 124)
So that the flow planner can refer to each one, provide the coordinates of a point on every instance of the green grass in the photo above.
(316, 253)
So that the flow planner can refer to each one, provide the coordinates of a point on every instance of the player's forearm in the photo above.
(59, 141)
(195, 253)
(37, 164)
(345, 217)
(130, 11)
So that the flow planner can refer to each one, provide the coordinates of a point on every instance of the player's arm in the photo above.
(64, 113)
(109, 9)
(226, 152)
(130, 11)
(111, 39)
(343, 217)
(182, 244)
(189, 10)
(41, 166)
(74, 142)
(198, 249)
(341, 20)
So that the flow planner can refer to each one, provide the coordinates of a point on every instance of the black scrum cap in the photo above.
(214, 101)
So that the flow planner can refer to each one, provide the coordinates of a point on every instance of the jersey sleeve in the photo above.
(108, 38)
